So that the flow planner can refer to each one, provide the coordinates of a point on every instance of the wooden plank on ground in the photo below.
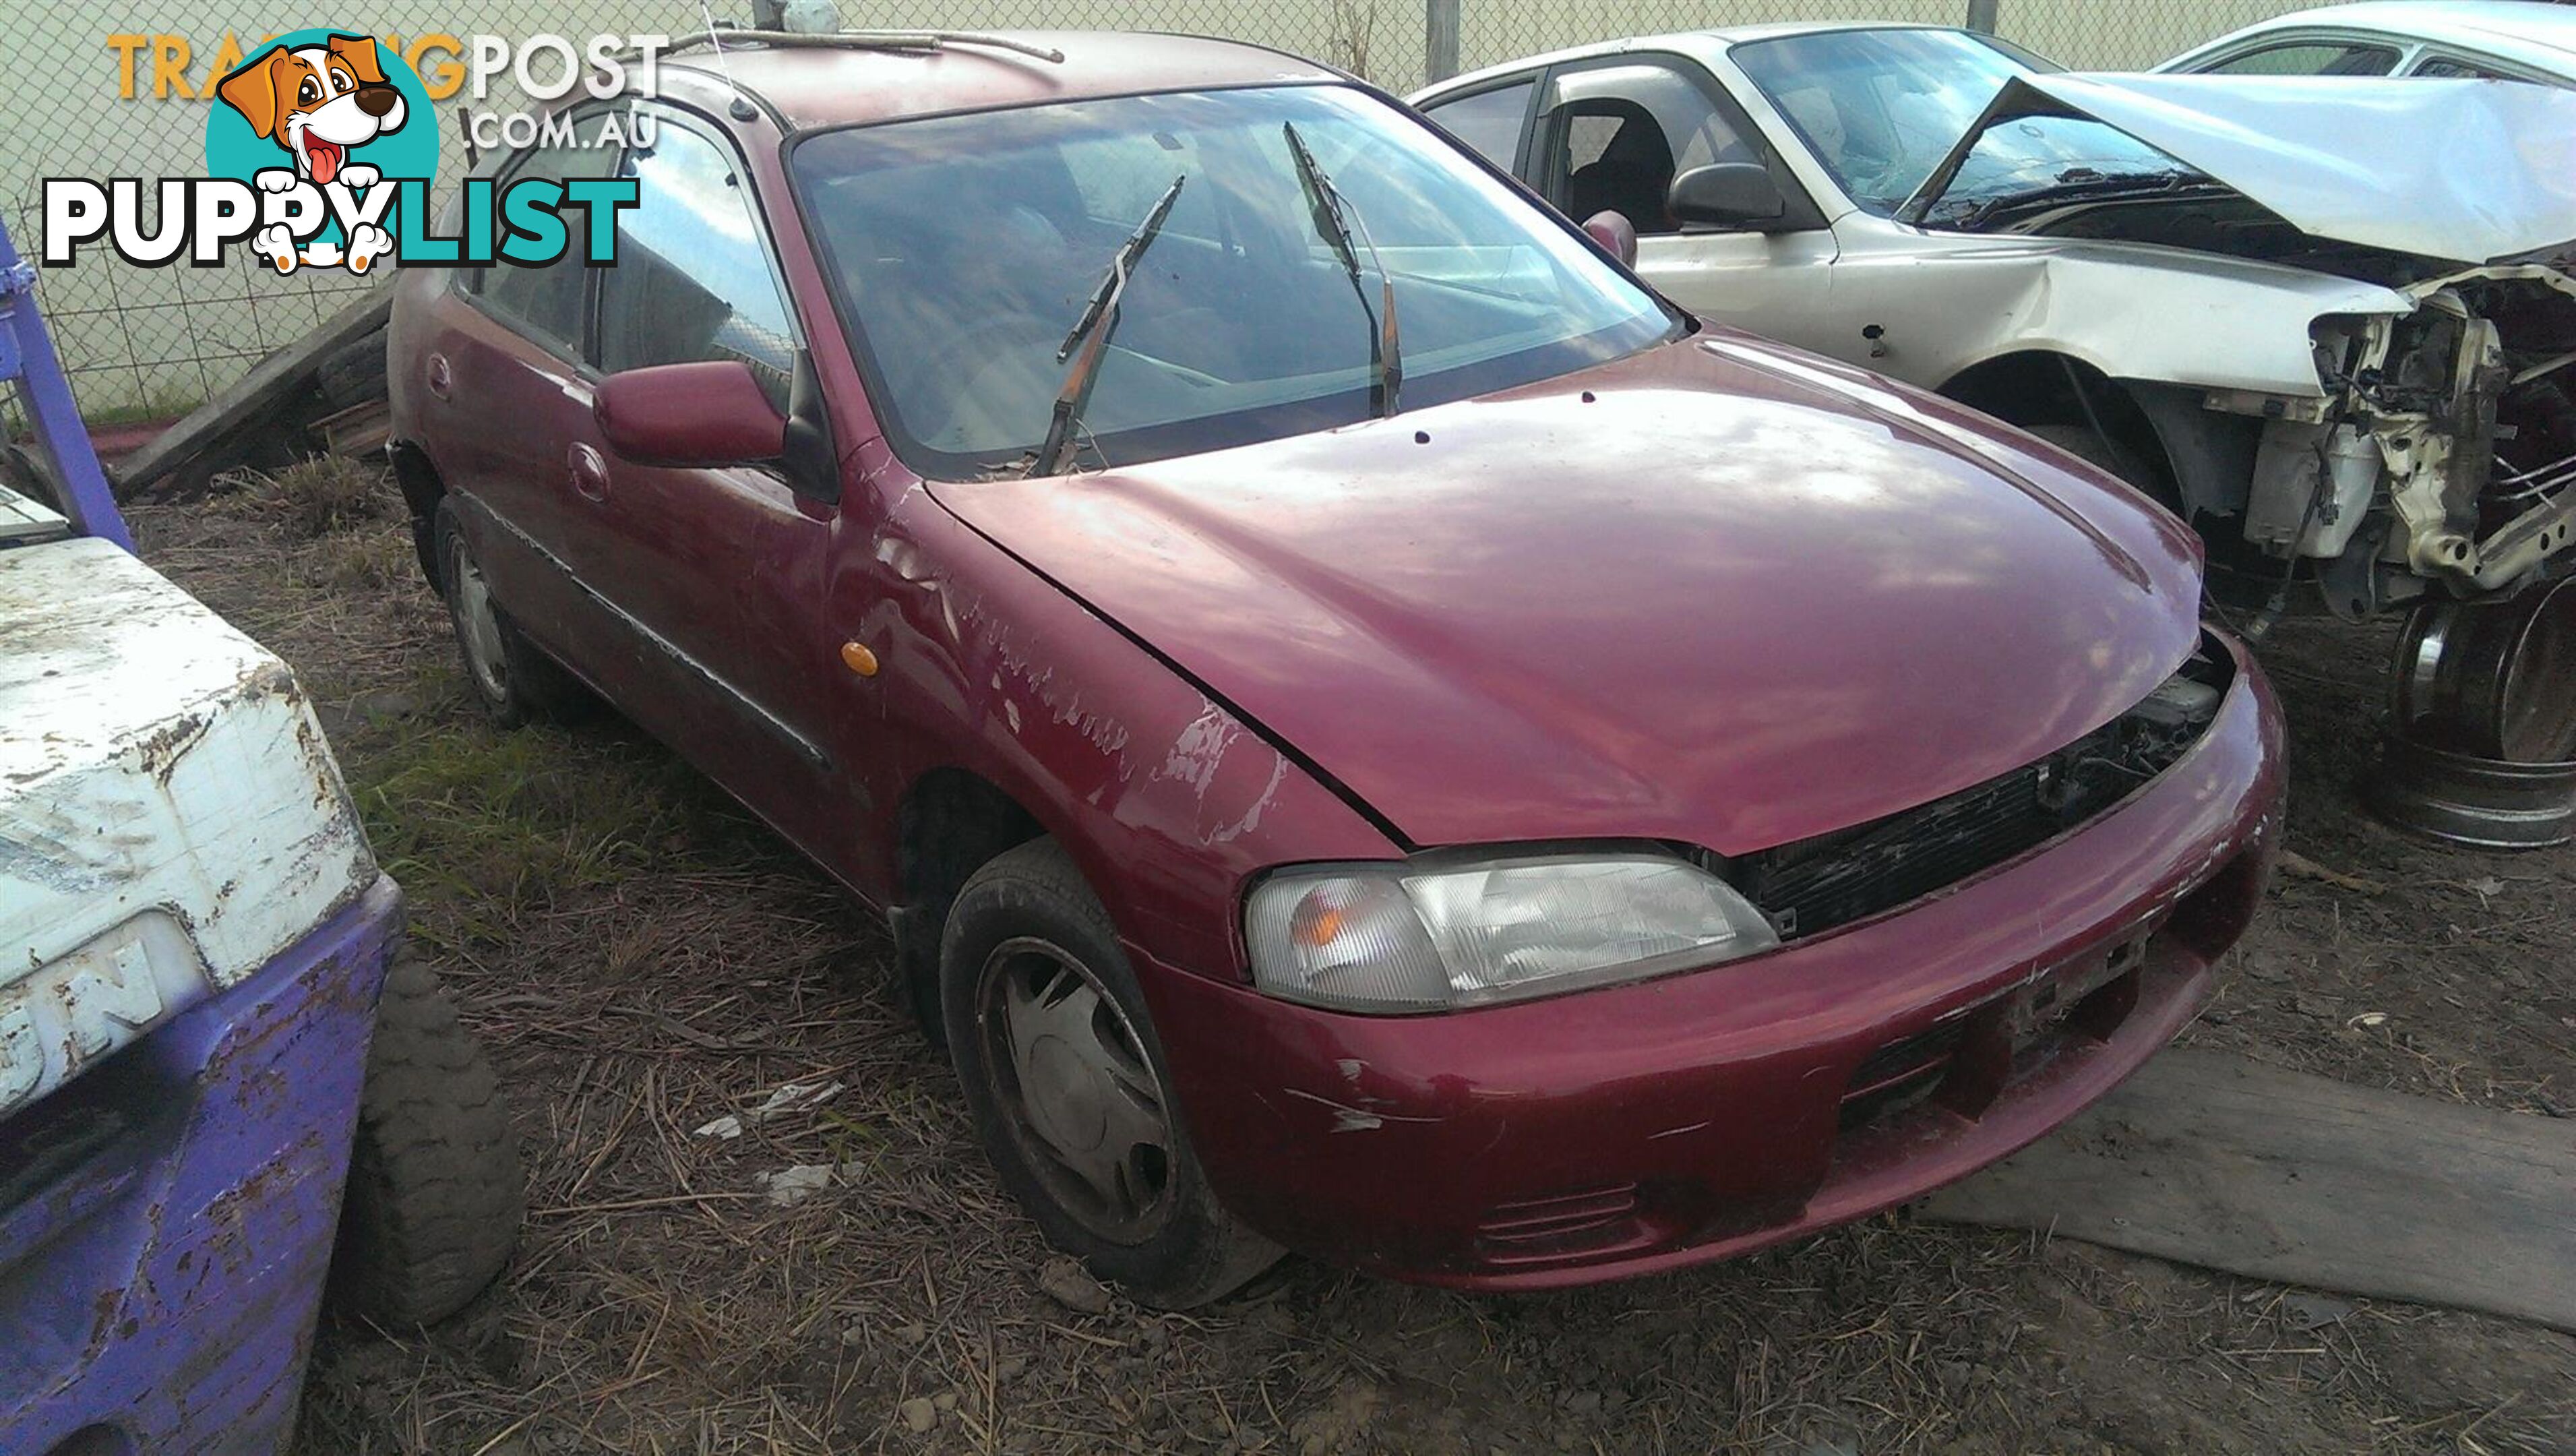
(2207, 1158)
(272, 384)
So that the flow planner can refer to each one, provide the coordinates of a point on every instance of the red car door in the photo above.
(719, 573)
(508, 395)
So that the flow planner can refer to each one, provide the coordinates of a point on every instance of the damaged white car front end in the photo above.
(2431, 444)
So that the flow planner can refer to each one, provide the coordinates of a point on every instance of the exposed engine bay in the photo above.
(2442, 452)
(2433, 452)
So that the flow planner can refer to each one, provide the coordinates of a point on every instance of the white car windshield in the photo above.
(1881, 108)
(964, 248)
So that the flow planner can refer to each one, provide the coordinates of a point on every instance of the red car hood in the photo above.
(1719, 592)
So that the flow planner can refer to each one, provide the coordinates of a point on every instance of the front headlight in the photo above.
(1430, 937)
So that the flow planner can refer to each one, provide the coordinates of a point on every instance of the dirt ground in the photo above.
(642, 958)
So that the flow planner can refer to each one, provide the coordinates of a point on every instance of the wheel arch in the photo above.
(2037, 387)
(950, 822)
(421, 487)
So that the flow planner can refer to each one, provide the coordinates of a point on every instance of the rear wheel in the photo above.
(514, 679)
(1067, 1082)
(434, 1197)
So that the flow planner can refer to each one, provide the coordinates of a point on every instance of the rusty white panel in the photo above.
(170, 817)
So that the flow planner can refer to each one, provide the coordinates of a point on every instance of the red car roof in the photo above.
(836, 85)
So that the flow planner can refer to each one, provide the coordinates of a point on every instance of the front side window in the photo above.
(1489, 121)
(1879, 109)
(546, 300)
(692, 280)
(2310, 58)
(1625, 132)
(964, 248)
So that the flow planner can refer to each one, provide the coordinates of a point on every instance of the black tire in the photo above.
(25, 472)
(434, 1198)
(1028, 908)
(354, 373)
(512, 677)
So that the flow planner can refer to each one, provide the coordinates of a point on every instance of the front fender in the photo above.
(1166, 798)
(2132, 311)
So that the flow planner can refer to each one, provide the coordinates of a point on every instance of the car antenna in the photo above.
(741, 109)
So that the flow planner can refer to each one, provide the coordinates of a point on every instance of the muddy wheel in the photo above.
(432, 1208)
(512, 677)
(1068, 1085)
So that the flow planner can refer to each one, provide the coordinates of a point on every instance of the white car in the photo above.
(2492, 40)
(2325, 320)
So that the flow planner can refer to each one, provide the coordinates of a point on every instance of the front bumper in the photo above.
(1617, 1132)
(167, 1227)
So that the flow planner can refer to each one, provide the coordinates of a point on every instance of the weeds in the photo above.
(314, 497)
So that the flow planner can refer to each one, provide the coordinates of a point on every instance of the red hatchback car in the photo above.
(1375, 733)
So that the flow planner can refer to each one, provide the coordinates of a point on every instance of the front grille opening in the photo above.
(1966, 1060)
(1541, 1229)
(1814, 885)
(1899, 1075)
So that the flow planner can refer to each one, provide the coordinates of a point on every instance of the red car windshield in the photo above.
(965, 247)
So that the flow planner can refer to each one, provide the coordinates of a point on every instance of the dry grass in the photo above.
(643, 958)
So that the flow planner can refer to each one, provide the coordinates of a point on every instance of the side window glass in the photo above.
(2310, 58)
(546, 300)
(1588, 136)
(692, 280)
(1625, 132)
(1489, 121)
(2451, 67)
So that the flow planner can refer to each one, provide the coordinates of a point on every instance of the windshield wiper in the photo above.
(2096, 187)
(1099, 320)
(1333, 220)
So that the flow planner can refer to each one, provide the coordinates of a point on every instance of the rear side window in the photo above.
(546, 300)
(693, 279)
(2456, 69)
(2310, 58)
(1489, 121)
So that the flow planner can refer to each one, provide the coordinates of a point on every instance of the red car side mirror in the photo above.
(1613, 231)
(708, 413)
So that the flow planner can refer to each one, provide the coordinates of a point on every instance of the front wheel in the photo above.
(434, 1197)
(1066, 1080)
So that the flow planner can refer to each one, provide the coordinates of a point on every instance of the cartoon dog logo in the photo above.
(320, 103)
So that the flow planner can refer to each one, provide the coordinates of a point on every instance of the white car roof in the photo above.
(2531, 32)
(1708, 42)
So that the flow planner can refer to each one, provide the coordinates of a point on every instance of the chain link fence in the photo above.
(92, 90)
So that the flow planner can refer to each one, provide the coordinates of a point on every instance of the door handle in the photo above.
(442, 379)
(589, 472)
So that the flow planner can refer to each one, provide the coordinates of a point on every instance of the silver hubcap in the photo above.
(476, 626)
(1072, 1077)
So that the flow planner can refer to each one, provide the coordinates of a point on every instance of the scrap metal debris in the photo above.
(791, 1097)
(792, 1185)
